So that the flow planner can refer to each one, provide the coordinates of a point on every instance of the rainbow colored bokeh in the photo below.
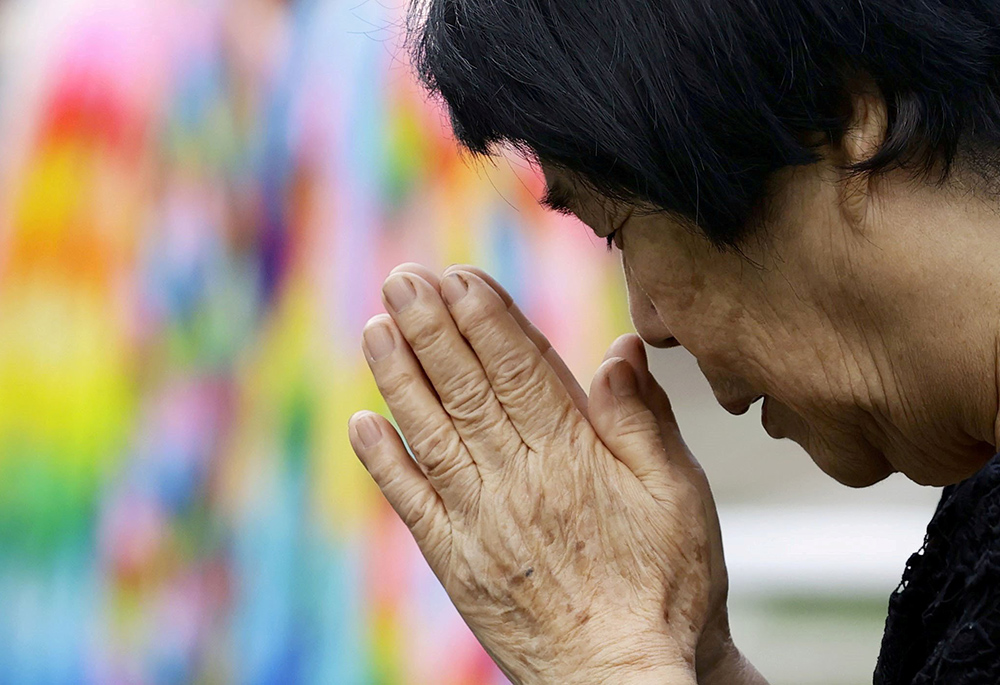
(201, 203)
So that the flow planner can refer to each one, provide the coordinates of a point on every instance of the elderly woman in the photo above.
(805, 197)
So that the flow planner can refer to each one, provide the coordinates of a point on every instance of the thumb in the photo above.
(626, 424)
(630, 348)
(656, 399)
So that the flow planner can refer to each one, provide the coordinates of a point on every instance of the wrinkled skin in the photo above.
(540, 522)
(576, 534)
(861, 309)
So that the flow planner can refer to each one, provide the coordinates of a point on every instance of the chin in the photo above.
(856, 475)
(851, 458)
(853, 468)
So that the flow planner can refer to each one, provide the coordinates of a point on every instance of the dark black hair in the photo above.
(691, 105)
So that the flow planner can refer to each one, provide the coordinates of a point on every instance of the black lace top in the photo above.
(944, 619)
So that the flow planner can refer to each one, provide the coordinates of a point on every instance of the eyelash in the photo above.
(611, 240)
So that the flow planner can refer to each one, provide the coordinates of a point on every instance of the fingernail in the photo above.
(399, 292)
(368, 431)
(453, 288)
(622, 379)
(379, 341)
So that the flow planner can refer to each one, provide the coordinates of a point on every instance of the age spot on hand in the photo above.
(518, 579)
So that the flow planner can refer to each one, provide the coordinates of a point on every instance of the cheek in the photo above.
(670, 299)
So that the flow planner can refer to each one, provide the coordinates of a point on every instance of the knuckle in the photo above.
(426, 333)
(481, 311)
(433, 437)
(390, 477)
(438, 450)
(635, 425)
(443, 467)
(467, 396)
(414, 502)
(395, 381)
(517, 374)
(420, 517)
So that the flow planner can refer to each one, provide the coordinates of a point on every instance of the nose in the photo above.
(662, 343)
(646, 319)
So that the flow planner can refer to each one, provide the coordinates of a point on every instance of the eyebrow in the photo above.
(559, 197)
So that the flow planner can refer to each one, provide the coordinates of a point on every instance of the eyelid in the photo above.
(559, 199)
(615, 237)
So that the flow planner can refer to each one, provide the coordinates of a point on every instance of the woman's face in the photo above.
(819, 314)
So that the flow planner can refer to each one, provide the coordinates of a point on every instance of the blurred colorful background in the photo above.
(199, 200)
(199, 203)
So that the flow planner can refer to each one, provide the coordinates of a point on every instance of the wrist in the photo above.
(636, 672)
(627, 657)
(715, 647)
(732, 669)
(720, 662)
(661, 675)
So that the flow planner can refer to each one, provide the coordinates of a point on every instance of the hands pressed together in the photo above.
(575, 533)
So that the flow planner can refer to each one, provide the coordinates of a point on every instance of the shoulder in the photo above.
(944, 619)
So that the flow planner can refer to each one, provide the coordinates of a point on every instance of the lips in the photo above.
(732, 392)
(739, 405)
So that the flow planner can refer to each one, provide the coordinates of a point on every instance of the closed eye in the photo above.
(559, 198)
(615, 236)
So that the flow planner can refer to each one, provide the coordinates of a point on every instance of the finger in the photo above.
(656, 399)
(533, 396)
(418, 270)
(627, 426)
(408, 491)
(549, 353)
(452, 368)
(426, 426)
(631, 348)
